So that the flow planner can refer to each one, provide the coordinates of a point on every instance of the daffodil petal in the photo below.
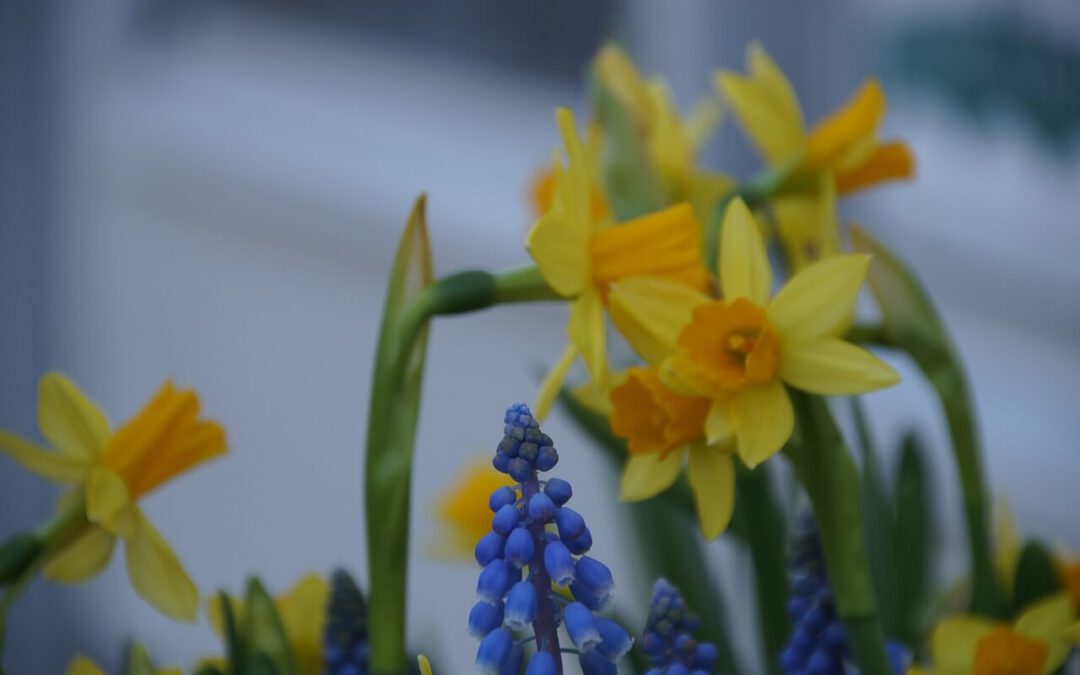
(157, 575)
(819, 300)
(833, 367)
(560, 247)
(744, 266)
(712, 480)
(42, 461)
(586, 331)
(68, 419)
(764, 421)
(83, 559)
(552, 384)
(303, 615)
(807, 225)
(1048, 621)
(650, 313)
(645, 476)
(108, 502)
(765, 106)
(80, 665)
(719, 426)
(888, 161)
(846, 128)
(953, 643)
(423, 664)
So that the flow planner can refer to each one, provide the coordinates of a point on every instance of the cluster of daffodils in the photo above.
(528, 564)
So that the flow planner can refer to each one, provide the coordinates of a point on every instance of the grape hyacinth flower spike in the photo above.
(532, 529)
(818, 643)
(345, 643)
(669, 640)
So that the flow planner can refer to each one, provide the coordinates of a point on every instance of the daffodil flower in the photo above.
(81, 665)
(665, 430)
(671, 142)
(424, 665)
(740, 351)
(110, 471)
(1036, 644)
(579, 257)
(463, 510)
(840, 155)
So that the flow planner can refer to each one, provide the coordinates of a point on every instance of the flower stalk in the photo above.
(825, 468)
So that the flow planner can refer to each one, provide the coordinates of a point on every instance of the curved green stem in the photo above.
(827, 471)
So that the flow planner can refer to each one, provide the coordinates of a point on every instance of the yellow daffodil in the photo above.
(840, 155)
(303, 618)
(463, 509)
(1036, 644)
(581, 257)
(543, 186)
(665, 430)
(845, 144)
(671, 142)
(110, 471)
(424, 665)
(739, 352)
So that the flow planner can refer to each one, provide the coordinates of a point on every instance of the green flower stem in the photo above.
(392, 420)
(827, 471)
(54, 536)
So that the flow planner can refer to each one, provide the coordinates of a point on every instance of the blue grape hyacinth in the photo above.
(533, 529)
(669, 640)
(818, 644)
(345, 639)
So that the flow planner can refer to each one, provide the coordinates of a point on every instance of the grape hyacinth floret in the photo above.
(536, 541)
(345, 641)
(669, 640)
(818, 643)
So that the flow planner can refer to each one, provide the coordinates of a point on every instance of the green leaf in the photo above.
(911, 323)
(16, 554)
(207, 669)
(392, 419)
(1036, 576)
(139, 662)
(235, 643)
(878, 523)
(912, 540)
(264, 633)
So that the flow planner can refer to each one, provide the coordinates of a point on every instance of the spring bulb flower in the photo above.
(109, 471)
(740, 352)
(345, 645)
(533, 529)
(818, 642)
(840, 155)
(1037, 643)
(580, 257)
(669, 640)
(81, 665)
(462, 517)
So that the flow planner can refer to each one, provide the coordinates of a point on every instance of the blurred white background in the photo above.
(212, 193)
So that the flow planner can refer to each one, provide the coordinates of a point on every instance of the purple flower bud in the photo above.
(652, 644)
(541, 508)
(484, 618)
(490, 547)
(559, 563)
(595, 576)
(678, 669)
(570, 523)
(519, 469)
(581, 543)
(500, 461)
(506, 519)
(705, 656)
(595, 663)
(546, 458)
(559, 491)
(509, 447)
(513, 664)
(501, 497)
(527, 451)
(581, 626)
(519, 547)
(494, 651)
(614, 640)
(542, 663)
(495, 580)
(520, 606)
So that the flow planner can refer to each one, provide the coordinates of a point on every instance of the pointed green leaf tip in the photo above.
(264, 633)
(392, 417)
(139, 662)
(1036, 577)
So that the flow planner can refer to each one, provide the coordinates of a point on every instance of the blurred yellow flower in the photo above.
(580, 257)
(80, 665)
(463, 509)
(665, 430)
(840, 155)
(424, 665)
(303, 618)
(111, 470)
(1036, 644)
(543, 185)
(739, 352)
(671, 142)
